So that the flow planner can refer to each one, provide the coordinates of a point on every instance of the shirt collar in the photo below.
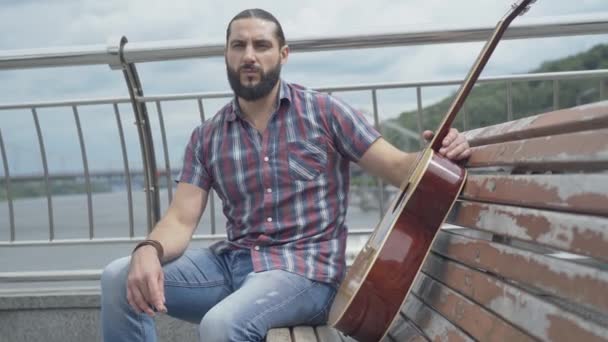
(284, 97)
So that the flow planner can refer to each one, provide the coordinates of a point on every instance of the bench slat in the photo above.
(580, 234)
(577, 283)
(403, 329)
(537, 317)
(478, 322)
(304, 334)
(327, 334)
(587, 150)
(586, 194)
(430, 322)
(278, 335)
(563, 121)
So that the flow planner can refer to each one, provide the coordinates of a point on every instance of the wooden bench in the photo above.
(524, 253)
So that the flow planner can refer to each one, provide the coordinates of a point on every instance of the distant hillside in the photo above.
(486, 105)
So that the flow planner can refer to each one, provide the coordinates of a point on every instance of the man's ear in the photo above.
(284, 54)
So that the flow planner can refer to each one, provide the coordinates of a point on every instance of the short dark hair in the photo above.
(261, 14)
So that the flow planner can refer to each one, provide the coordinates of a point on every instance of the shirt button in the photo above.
(266, 159)
(257, 248)
(269, 219)
(269, 190)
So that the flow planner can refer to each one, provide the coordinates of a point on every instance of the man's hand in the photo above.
(145, 282)
(455, 145)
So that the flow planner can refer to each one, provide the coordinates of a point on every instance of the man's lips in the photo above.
(250, 70)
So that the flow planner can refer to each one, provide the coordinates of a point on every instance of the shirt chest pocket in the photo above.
(307, 158)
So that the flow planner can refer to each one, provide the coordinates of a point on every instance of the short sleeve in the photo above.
(194, 170)
(352, 133)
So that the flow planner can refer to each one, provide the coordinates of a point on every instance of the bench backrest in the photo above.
(524, 255)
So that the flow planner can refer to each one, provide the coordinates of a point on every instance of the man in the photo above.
(278, 157)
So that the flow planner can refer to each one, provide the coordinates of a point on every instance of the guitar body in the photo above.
(380, 278)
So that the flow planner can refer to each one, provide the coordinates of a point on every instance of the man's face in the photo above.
(253, 58)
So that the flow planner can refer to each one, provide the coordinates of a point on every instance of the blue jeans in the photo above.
(220, 293)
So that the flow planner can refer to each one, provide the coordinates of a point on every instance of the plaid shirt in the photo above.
(284, 191)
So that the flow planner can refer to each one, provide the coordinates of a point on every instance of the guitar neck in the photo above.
(473, 75)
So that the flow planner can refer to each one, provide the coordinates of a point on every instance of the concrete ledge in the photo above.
(68, 315)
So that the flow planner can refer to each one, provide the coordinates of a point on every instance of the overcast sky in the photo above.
(31, 24)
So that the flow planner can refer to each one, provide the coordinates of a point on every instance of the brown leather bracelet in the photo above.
(159, 248)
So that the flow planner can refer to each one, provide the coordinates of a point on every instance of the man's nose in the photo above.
(249, 55)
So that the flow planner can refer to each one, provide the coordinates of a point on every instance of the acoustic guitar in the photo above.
(378, 282)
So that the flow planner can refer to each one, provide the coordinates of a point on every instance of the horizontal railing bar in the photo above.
(65, 103)
(80, 275)
(540, 76)
(186, 96)
(182, 49)
(66, 242)
(543, 76)
(71, 175)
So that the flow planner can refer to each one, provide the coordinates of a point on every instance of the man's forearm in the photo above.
(403, 168)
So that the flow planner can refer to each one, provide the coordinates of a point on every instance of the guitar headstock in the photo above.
(522, 6)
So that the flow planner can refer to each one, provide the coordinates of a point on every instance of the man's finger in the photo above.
(131, 301)
(457, 151)
(455, 143)
(133, 295)
(465, 154)
(450, 137)
(161, 285)
(428, 135)
(140, 300)
(155, 295)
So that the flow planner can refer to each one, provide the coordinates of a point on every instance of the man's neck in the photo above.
(258, 112)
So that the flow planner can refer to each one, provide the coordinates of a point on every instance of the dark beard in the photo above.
(252, 93)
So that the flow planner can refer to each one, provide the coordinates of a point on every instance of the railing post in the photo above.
(201, 111)
(47, 179)
(163, 135)
(419, 114)
(87, 177)
(509, 101)
(379, 181)
(125, 160)
(555, 94)
(143, 129)
(7, 185)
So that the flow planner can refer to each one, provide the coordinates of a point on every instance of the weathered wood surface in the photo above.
(477, 321)
(579, 151)
(578, 283)
(580, 234)
(587, 117)
(538, 317)
(575, 193)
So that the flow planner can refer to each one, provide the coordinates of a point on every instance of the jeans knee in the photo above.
(114, 277)
(220, 325)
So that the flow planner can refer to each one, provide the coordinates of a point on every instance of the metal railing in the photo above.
(172, 50)
(123, 56)
(199, 98)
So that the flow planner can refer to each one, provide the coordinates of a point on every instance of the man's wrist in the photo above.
(153, 243)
